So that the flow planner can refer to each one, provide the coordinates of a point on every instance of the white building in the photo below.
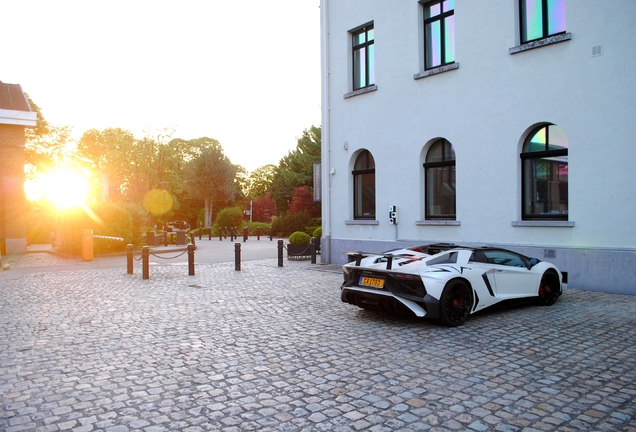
(499, 122)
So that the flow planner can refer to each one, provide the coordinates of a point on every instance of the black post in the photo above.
(191, 260)
(313, 250)
(192, 237)
(280, 253)
(220, 234)
(200, 230)
(237, 256)
(129, 258)
(210, 234)
(145, 255)
(245, 233)
(270, 233)
(232, 234)
(225, 232)
(258, 233)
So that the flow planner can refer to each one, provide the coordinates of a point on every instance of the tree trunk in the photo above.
(208, 213)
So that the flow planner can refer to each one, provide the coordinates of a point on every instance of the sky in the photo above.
(246, 73)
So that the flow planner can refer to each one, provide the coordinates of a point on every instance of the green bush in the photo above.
(40, 226)
(105, 219)
(317, 232)
(140, 220)
(288, 223)
(230, 217)
(299, 237)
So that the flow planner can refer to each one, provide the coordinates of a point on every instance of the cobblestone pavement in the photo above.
(270, 348)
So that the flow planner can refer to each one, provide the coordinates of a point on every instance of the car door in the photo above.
(512, 276)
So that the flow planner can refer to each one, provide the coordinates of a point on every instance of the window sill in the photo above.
(362, 222)
(361, 91)
(436, 71)
(546, 224)
(541, 42)
(438, 223)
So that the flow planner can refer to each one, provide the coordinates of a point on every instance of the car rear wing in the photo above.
(430, 249)
(358, 256)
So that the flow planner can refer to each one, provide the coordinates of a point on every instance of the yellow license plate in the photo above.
(372, 282)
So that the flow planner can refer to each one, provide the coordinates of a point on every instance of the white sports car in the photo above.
(446, 281)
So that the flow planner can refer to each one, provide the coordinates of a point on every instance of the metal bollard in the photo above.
(145, 259)
(245, 234)
(258, 233)
(270, 234)
(210, 234)
(232, 234)
(237, 256)
(313, 250)
(192, 237)
(129, 258)
(200, 230)
(280, 253)
(191, 260)
(220, 234)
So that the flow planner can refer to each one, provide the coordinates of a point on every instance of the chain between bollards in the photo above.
(237, 256)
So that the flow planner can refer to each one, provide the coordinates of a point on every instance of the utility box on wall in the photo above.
(393, 215)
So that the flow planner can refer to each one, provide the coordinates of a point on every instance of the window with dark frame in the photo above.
(363, 57)
(439, 174)
(439, 33)
(364, 186)
(541, 19)
(544, 165)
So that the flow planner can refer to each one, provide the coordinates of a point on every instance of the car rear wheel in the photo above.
(549, 289)
(456, 303)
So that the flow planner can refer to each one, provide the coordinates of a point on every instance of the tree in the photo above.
(211, 176)
(111, 152)
(45, 144)
(260, 181)
(303, 201)
(296, 169)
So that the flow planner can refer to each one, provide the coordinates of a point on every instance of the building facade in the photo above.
(15, 115)
(499, 122)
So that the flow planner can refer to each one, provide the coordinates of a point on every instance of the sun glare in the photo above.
(64, 188)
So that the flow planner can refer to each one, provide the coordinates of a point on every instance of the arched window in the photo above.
(544, 163)
(364, 186)
(439, 172)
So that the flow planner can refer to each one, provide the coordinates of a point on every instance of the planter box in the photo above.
(298, 252)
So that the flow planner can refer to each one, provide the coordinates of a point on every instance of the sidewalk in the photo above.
(88, 348)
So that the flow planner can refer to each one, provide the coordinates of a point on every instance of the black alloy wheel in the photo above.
(549, 289)
(456, 303)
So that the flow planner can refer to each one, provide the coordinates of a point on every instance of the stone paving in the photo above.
(274, 349)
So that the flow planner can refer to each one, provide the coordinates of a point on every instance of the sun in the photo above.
(65, 188)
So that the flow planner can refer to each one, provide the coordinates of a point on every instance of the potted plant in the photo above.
(298, 247)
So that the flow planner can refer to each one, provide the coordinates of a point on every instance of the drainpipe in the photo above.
(325, 253)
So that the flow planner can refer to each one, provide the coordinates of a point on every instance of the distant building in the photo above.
(15, 115)
(500, 122)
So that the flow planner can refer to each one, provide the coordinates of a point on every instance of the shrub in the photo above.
(299, 237)
(107, 220)
(288, 223)
(230, 217)
(317, 232)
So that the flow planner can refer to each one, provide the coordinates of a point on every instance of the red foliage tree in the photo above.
(303, 200)
(263, 209)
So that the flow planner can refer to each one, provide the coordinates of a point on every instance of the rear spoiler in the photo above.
(430, 249)
(357, 257)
